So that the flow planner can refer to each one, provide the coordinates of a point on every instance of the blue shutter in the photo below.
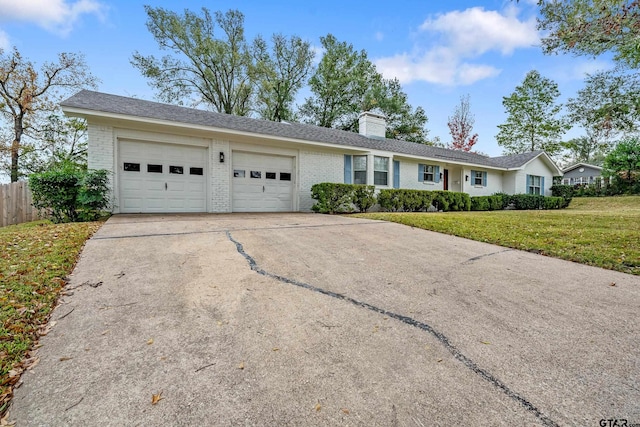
(421, 173)
(484, 179)
(542, 185)
(347, 169)
(436, 174)
(396, 174)
(526, 190)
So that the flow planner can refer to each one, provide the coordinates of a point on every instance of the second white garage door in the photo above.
(262, 182)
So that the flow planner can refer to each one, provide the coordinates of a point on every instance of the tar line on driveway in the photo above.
(411, 322)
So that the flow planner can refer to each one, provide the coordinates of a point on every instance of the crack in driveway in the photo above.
(443, 339)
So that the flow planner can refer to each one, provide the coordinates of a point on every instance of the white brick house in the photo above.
(166, 158)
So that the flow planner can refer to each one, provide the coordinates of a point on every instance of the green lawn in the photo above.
(604, 232)
(36, 257)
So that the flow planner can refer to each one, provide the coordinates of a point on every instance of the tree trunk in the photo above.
(15, 146)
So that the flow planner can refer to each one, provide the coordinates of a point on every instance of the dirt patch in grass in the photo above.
(603, 232)
(36, 258)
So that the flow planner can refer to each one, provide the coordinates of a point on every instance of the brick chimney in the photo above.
(372, 125)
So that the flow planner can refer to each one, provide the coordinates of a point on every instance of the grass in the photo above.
(36, 258)
(603, 232)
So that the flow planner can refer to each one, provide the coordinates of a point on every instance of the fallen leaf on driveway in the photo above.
(64, 359)
(612, 284)
(318, 407)
(485, 342)
(105, 332)
(155, 398)
(150, 341)
(345, 411)
(275, 349)
(241, 365)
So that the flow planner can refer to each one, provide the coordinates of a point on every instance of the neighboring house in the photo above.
(166, 158)
(581, 173)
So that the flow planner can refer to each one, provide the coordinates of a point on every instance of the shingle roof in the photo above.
(572, 167)
(114, 104)
(516, 160)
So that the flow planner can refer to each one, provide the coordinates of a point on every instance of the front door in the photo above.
(446, 180)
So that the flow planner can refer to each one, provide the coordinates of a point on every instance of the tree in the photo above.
(624, 161)
(280, 74)
(461, 125)
(26, 94)
(532, 123)
(338, 85)
(346, 83)
(208, 70)
(609, 103)
(585, 149)
(592, 27)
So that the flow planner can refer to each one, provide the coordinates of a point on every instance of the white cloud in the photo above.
(4, 41)
(54, 15)
(319, 52)
(454, 39)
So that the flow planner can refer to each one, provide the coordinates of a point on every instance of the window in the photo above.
(195, 171)
(154, 168)
(359, 169)
(238, 173)
(132, 167)
(270, 175)
(380, 170)
(429, 173)
(256, 174)
(534, 185)
(477, 178)
(285, 176)
(178, 170)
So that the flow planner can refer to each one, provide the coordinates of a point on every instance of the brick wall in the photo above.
(219, 174)
(316, 167)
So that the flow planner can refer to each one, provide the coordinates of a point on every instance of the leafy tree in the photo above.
(26, 94)
(461, 126)
(280, 74)
(346, 83)
(210, 70)
(624, 161)
(338, 85)
(585, 149)
(592, 27)
(533, 122)
(609, 104)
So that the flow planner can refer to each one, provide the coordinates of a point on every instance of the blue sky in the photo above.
(440, 51)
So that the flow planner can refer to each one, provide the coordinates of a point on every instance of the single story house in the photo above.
(581, 173)
(167, 158)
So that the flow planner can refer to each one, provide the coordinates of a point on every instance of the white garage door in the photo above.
(162, 178)
(262, 183)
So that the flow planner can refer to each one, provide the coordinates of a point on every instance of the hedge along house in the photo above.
(166, 158)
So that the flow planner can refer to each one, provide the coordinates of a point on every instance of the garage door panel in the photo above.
(264, 192)
(155, 188)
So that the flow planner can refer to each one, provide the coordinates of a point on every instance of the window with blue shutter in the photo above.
(396, 174)
(436, 177)
(535, 184)
(347, 169)
(479, 178)
(421, 173)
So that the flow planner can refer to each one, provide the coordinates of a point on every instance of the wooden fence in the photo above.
(15, 204)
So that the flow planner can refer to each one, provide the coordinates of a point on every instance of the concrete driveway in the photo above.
(303, 319)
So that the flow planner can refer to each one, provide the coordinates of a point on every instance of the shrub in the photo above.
(69, 194)
(332, 198)
(488, 203)
(535, 201)
(564, 191)
(364, 197)
(92, 195)
(395, 200)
